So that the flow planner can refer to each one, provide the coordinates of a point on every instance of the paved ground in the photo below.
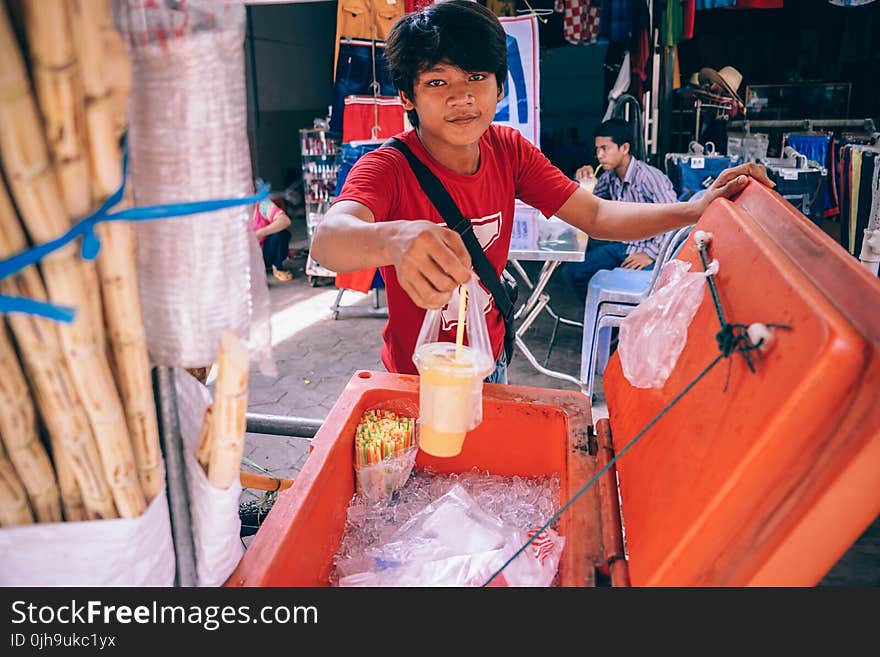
(316, 355)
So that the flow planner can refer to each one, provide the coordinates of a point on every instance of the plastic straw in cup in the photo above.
(459, 335)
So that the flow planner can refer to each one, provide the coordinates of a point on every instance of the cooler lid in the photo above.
(769, 482)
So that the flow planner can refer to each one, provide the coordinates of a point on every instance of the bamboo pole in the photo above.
(230, 406)
(18, 430)
(35, 188)
(60, 97)
(14, 509)
(93, 36)
(71, 498)
(74, 448)
(206, 439)
(93, 33)
(115, 66)
(128, 343)
(59, 91)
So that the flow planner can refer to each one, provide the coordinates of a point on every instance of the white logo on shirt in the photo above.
(488, 230)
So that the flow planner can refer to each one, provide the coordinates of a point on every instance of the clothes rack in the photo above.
(805, 124)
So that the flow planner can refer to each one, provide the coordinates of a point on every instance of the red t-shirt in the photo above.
(510, 167)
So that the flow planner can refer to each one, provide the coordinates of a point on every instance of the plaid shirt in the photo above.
(642, 184)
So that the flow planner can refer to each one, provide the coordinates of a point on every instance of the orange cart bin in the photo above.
(761, 478)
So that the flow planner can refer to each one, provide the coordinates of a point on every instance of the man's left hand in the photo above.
(732, 181)
(637, 261)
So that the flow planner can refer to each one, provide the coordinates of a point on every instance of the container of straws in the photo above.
(385, 449)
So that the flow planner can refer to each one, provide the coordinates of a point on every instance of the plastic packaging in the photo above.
(188, 142)
(385, 446)
(653, 335)
(216, 524)
(119, 552)
(451, 383)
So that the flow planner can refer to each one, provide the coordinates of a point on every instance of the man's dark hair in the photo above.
(618, 130)
(462, 32)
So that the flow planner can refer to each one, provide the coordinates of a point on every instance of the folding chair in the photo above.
(612, 294)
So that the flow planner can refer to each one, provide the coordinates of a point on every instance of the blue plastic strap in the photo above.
(91, 244)
(32, 307)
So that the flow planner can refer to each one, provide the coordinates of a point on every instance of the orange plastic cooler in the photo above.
(767, 483)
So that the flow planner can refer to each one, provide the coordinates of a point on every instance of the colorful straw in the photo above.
(381, 435)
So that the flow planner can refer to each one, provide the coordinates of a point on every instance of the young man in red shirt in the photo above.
(449, 63)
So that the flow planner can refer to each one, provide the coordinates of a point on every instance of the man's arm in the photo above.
(628, 222)
(430, 260)
(656, 188)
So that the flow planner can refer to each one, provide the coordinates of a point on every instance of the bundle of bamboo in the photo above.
(60, 153)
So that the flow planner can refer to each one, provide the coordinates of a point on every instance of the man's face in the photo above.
(454, 106)
(608, 153)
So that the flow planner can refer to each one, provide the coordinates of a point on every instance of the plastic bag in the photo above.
(538, 563)
(118, 552)
(188, 141)
(216, 524)
(653, 335)
(476, 331)
(385, 444)
(451, 384)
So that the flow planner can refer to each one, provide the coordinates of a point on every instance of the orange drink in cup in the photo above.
(450, 395)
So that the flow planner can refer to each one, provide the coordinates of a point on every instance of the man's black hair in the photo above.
(462, 32)
(618, 130)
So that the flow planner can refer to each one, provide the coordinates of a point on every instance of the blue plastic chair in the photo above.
(611, 296)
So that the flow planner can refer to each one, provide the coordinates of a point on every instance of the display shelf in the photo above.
(320, 165)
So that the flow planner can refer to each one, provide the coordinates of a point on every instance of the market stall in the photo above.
(742, 442)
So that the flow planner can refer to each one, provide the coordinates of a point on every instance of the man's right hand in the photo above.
(584, 173)
(431, 261)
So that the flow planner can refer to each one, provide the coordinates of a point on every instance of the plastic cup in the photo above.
(588, 183)
(450, 396)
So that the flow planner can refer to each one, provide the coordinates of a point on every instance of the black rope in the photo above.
(731, 339)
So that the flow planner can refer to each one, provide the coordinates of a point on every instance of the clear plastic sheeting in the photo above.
(188, 142)
(454, 530)
(653, 335)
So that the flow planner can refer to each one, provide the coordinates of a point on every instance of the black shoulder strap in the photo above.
(437, 194)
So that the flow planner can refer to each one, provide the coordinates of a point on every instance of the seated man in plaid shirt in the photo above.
(624, 179)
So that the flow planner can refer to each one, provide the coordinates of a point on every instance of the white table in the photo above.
(551, 241)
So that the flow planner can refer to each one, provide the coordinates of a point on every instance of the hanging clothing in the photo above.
(641, 49)
(618, 20)
(369, 117)
(702, 5)
(359, 61)
(365, 19)
(502, 7)
(874, 216)
(676, 69)
(687, 19)
(580, 21)
(854, 202)
(621, 84)
(865, 200)
(416, 5)
(818, 148)
(673, 22)
(758, 4)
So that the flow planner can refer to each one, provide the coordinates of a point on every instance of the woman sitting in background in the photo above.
(270, 225)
